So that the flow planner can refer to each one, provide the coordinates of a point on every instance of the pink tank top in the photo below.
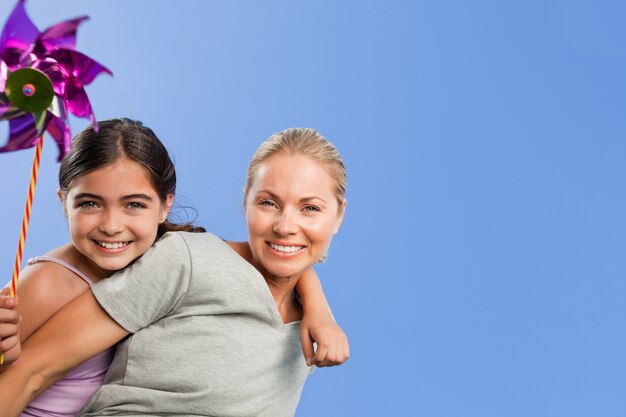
(68, 395)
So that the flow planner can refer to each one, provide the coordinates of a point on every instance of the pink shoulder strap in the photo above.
(37, 259)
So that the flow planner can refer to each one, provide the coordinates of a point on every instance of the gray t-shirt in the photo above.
(208, 339)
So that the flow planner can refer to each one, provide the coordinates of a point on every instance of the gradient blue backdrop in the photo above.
(480, 270)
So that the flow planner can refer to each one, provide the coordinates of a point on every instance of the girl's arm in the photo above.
(318, 325)
(79, 331)
(43, 289)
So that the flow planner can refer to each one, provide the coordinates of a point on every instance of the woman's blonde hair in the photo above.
(301, 141)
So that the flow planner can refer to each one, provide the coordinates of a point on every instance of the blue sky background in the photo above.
(480, 269)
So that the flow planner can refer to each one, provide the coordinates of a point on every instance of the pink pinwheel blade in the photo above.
(60, 131)
(22, 134)
(80, 65)
(62, 35)
(18, 35)
(57, 75)
(77, 101)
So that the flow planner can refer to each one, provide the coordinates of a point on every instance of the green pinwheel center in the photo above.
(29, 90)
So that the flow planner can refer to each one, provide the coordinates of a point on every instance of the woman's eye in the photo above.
(311, 208)
(267, 203)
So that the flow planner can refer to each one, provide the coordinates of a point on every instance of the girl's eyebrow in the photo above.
(87, 195)
(138, 196)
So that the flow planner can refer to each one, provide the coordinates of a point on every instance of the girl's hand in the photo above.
(332, 344)
(9, 327)
(318, 325)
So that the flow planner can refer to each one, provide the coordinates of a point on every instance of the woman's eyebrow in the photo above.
(308, 199)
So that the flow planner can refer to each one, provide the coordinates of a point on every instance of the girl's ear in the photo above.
(62, 197)
(166, 207)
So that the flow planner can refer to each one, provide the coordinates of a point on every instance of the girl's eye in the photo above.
(311, 208)
(87, 204)
(135, 205)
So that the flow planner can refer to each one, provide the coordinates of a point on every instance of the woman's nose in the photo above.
(286, 224)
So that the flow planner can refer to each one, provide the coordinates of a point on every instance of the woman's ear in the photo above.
(167, 205)
(342, 211)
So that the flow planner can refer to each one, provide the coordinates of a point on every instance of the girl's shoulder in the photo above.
(44, 288)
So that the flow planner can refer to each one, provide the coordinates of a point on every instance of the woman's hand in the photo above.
(332, 344)
(10, 319)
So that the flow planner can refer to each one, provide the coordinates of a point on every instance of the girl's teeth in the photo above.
(288, 249)
(112, 245)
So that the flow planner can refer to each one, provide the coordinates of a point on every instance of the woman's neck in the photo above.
(282, 289)
(284, 295)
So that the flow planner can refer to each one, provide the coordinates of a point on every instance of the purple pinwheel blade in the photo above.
(4, 74)
(80, 65)
(60, 131)
(58, 77)
(22, 135)
(7, 111)
(62, 35)
(77, 101)
(18, 35)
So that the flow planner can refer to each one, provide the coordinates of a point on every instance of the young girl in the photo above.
(117, 188)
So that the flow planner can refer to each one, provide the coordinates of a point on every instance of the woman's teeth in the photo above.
(288, 249)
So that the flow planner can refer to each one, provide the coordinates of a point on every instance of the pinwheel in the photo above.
(41, 81)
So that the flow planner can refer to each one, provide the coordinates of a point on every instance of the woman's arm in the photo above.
(77, 332)
(319, 326)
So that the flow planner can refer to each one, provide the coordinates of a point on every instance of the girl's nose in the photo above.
(111, 223)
